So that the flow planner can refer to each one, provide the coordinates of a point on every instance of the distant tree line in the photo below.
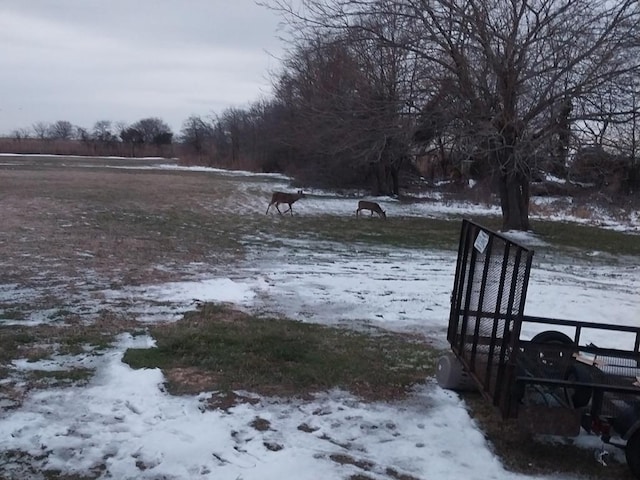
(149, 136)
(371, 94)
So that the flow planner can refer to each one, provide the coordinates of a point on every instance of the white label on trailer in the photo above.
(481, 241)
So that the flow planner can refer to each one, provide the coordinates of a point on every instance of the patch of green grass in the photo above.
(12, 314)
(71, 338)
(582, 239)
(394, 232)
(238, 351)
(408, 232)
(50, 378)
(23, 337)
(12, 338)
(76, 343)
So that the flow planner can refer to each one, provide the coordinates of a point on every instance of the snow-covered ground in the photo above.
(125, 421)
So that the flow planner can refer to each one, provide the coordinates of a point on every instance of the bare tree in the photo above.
(609, 152)
(61, 130)
(41, 130)
(196, 134)
(516, 74)
(349, 98)
(21, 134)
(152, 129)
(103, 132)
(132, 137)
(231, 124)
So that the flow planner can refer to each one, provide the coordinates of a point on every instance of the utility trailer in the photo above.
(554, 382)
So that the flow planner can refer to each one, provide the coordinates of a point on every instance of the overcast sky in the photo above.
(123, 60)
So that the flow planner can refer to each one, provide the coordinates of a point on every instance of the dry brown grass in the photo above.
(78, 147)
(115, 224)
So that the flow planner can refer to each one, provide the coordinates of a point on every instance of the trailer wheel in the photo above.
(632, 453)
(578, 397)
(551, 337)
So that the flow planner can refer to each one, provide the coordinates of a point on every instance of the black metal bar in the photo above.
(467, 300)
(457, 283)
(576, 323)
(496, 314)
(462, 283)
(502, 367)
(576, 338)
(510, 404)
(499, 235)
(554, 382)
(517, 327)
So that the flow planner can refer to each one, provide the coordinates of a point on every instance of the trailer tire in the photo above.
(551, 337)
(578, 397)
(632, 453)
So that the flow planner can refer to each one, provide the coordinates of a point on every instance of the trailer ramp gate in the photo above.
(487, 307)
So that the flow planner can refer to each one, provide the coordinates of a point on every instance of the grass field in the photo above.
(73, 229)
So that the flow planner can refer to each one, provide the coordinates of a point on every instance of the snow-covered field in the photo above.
(125, 422)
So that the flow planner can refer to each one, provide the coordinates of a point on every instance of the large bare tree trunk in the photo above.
(380, 184)
(514, 200)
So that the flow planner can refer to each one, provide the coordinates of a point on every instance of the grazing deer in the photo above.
(289, 198)
(373, 206)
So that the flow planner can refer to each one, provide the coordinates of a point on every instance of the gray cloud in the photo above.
(122, 60)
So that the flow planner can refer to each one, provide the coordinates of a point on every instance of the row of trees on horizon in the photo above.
(504, 92)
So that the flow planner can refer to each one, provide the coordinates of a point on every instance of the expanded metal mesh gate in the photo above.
(487, 306)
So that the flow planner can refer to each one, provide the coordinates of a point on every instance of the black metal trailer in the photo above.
(554, 382)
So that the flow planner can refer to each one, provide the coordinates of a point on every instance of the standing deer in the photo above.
(373, 206)
(289, 198)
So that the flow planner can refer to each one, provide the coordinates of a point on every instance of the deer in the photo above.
(289, 198)
(373, 206)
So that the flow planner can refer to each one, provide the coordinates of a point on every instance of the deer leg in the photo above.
(268, 208)
(278, 209)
